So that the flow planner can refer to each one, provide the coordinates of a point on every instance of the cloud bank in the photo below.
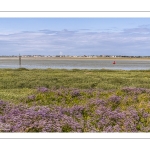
(133, 41)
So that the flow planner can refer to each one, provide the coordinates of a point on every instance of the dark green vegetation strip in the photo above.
(17, 83)
(104, 79)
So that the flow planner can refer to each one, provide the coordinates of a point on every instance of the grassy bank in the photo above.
(54, 100)
(16, 83)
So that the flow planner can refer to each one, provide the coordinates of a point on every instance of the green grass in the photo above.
(119, 90)
(18, 83)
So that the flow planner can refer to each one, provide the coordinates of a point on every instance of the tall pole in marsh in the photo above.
(19, 60)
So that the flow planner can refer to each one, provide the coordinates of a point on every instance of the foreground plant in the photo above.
(76, 110)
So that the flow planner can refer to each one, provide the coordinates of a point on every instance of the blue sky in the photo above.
(75, 36)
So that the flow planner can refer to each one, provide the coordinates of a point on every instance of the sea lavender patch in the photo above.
(75, 93)
(114, 99)
(133, 90)
(75, 110)
(31, 97)
(42, 89)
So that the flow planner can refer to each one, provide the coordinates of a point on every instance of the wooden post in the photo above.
(19, 60)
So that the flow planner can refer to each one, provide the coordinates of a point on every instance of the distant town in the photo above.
(74, 56)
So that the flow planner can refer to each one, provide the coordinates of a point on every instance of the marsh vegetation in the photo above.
(54, 100)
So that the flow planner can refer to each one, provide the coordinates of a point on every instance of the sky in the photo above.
(75, 36)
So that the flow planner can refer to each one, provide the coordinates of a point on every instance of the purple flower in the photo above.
(115, 99)
(75, 93)
(97, 102)
(134, 90)
(31, 97)
(42, 89)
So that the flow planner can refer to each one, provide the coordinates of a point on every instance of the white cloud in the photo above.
(72, 42)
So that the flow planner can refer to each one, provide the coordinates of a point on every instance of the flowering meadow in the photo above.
(72, 109)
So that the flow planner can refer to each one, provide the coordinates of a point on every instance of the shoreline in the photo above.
(71, 58)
